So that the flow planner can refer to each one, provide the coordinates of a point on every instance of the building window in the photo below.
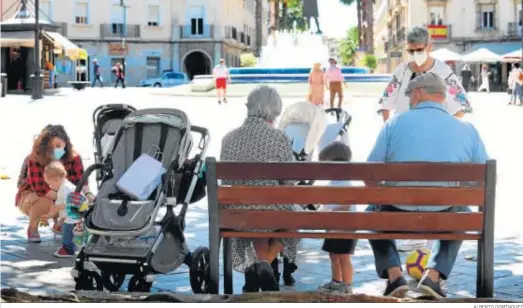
(485, 16)
(197, 26)
(436, 15)
(81, 13)
(154, 16)
(153, 67)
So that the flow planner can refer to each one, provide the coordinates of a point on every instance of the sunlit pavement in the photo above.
(32, 267)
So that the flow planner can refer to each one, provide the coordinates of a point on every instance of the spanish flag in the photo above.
(438, 31)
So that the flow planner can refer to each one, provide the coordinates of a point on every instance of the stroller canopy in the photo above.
(304, 123)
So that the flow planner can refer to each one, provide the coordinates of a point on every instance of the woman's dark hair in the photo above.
(43, 148)
(336, 151)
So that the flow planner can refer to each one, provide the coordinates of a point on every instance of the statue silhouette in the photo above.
(310, 10)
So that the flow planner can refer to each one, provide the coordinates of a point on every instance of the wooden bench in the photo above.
(354, 225)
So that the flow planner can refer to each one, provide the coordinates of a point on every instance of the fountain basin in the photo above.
(293, 75)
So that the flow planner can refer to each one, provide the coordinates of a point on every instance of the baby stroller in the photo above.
(107, 120)
(308, 128)
(127, 238)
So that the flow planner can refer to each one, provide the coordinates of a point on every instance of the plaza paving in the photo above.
(31, 267)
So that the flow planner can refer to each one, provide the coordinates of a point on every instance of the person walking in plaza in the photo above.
(317, 85)
(221, 76)
(485, 75)
(120, 75)
(395, 99)
(516, 81)
(97, 74)
(466, 77)
(427, 133)
(335, 81)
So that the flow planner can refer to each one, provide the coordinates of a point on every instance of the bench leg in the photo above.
(485, 274)
(227, 266)
(214, 263)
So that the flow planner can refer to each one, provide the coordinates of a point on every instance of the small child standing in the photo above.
(340, 250)
(55, 176)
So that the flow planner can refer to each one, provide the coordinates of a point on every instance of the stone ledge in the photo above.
(11, 295)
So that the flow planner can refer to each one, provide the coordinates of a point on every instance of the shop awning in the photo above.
(65, 46)
(17, 39)
(500, 48)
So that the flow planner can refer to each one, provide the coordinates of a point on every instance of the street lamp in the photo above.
(37, 90)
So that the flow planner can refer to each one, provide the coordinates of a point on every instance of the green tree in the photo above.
(348, 46)
(370, 61)
(291, 12)
(247, 60)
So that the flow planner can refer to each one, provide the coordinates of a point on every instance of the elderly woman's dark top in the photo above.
(257, 141)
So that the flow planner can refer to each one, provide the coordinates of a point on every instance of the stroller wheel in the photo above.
(199, 270)
(89, 281)
(139, 284)
(112, 281)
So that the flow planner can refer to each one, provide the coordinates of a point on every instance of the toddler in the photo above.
(55, 176)
(340, 250)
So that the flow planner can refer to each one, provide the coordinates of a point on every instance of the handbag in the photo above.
(142, 178)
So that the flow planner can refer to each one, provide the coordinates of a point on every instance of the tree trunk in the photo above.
(273, 16)
(364, 30)
(284, 18)
(360, 30)
(370, 27)
(259, 26)
(277, 18)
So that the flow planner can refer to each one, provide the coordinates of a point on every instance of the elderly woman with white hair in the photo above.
(256, 140)
(395, 99)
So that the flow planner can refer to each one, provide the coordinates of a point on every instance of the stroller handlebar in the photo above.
(86, 175)
(201, 130)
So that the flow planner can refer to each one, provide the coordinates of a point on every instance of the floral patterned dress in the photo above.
(256, 141)
(394, 97)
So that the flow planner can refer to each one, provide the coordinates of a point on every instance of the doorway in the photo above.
(197, 63)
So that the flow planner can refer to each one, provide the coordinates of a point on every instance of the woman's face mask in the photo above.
(419, 57)
(59, 153)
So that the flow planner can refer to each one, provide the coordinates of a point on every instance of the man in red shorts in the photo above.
(221, 76)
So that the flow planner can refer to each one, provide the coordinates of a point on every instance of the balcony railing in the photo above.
(62, 28)
(195, 32)
(440, 32)
(514, 29)
(118, 30)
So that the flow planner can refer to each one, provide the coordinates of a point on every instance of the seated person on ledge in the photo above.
(426, 133)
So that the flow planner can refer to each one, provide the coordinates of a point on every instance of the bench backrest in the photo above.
(479, 191)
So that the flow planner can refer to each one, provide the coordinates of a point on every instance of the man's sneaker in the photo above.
(33, 236)
(409, 245)
(431, 288)
(332, 286)
(219, 102)
(62, 253)
(398, 288)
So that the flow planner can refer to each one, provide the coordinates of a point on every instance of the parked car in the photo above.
(167, 79)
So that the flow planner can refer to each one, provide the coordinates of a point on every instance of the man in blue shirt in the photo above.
(425, 133)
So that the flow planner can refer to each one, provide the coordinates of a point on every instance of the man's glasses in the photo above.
(412, 51)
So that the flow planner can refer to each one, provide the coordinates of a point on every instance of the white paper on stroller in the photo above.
(142, 178)
(298, 134)
(305, 113)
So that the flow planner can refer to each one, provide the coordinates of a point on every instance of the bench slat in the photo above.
(375, 221)
(354, 235)
(351, 171)
(350, 195)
